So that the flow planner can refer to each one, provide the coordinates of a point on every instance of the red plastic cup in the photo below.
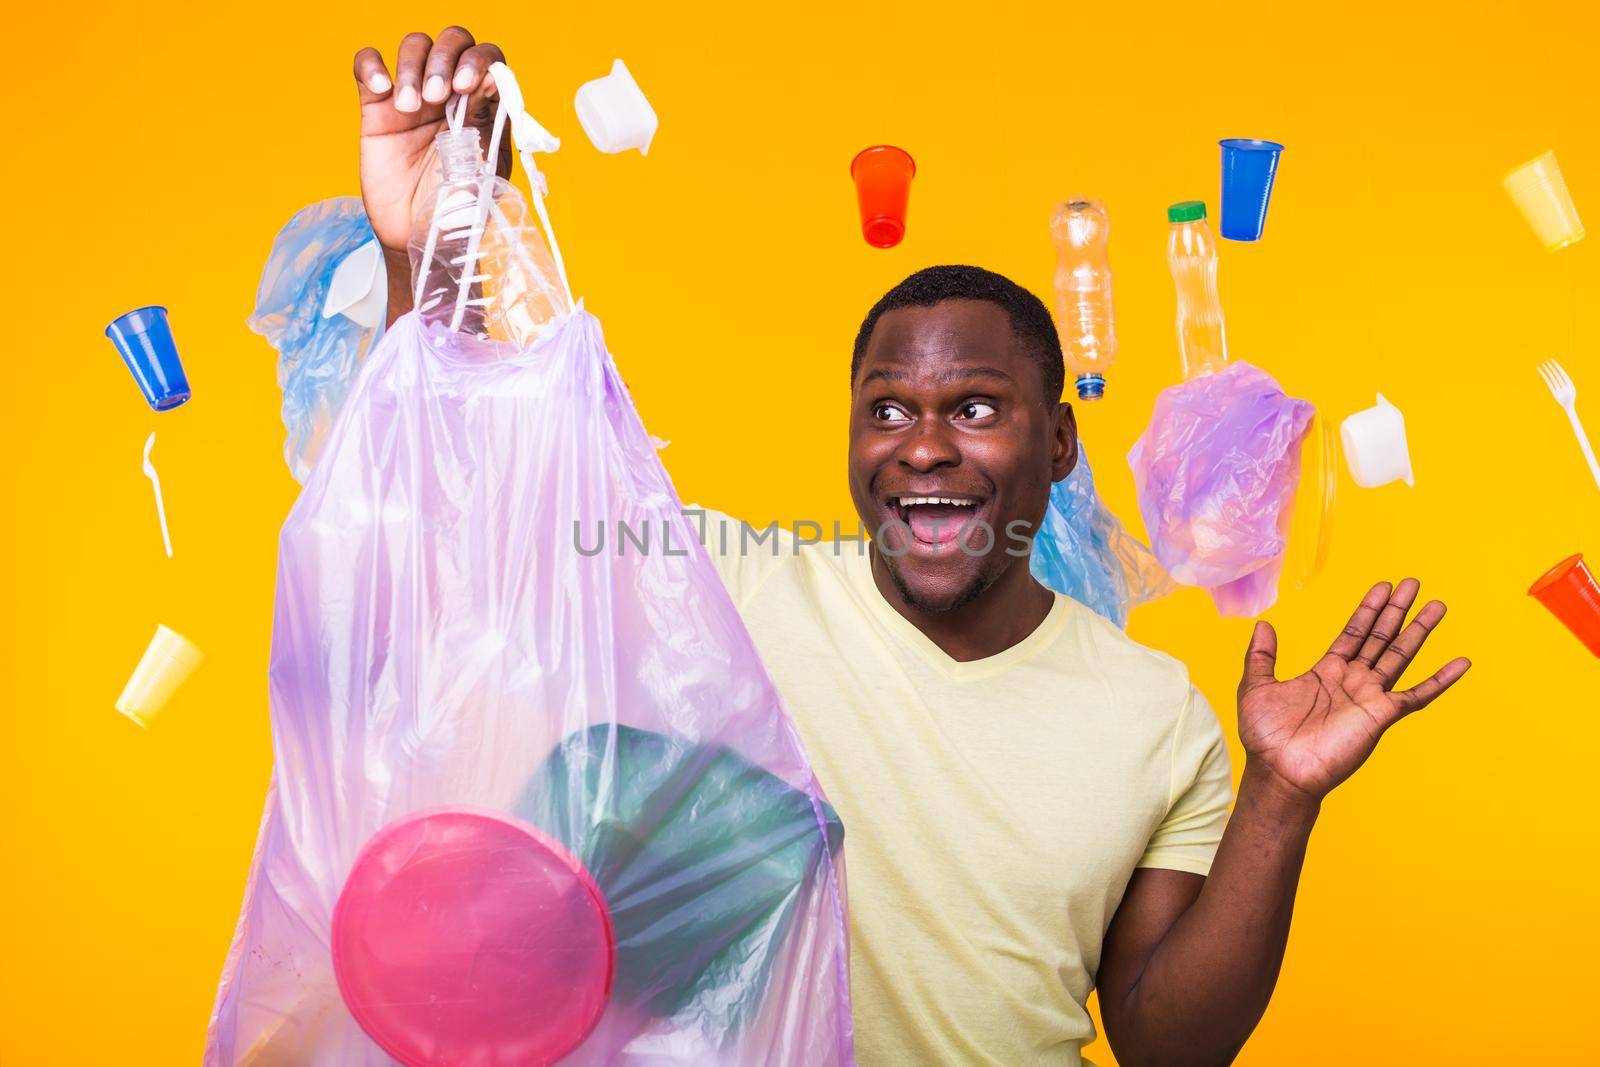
(468, 937)
(883, 176)
(1570, 592)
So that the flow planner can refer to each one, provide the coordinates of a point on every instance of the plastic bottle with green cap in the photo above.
(1192, 257)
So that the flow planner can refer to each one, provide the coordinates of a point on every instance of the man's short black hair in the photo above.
(1030, 319)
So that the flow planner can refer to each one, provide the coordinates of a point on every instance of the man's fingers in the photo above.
(472, 71)
(1420, 696)
(408, 63)
(1350, 639)
(441, 65)
(371, 75)
(1261, 658)
(483, 97)
(1398, 656)
(1389, 621)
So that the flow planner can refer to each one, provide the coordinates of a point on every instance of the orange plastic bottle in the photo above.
(1081, 229)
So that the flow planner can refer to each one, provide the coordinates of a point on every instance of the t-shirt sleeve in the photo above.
(1200, 795)
(743, 555)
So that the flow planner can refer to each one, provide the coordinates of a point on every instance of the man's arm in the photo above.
(397, 271)
(1189, 963)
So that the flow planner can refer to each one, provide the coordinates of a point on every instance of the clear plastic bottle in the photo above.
(1081, 229)
(486, 237)
(1192, 256)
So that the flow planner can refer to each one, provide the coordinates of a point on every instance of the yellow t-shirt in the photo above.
(994, 810)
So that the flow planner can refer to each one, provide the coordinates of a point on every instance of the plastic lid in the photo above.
(1187, 211)
(465, 936)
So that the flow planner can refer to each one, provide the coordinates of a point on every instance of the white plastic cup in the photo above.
(167, 663)
(1375, 446)
(614, 112)
(359, 288)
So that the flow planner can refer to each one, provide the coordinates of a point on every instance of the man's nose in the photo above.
(931, 445)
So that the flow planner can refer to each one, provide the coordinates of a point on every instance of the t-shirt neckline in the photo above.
(866, 589)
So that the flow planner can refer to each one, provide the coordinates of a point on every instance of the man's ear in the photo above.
(1065, 455)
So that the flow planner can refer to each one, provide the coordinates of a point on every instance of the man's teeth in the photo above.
(912, 501)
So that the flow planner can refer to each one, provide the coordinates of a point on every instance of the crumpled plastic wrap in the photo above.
(317, 357)
(1216, 472)
(1084, 552)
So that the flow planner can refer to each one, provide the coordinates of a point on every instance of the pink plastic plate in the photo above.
(469, 937)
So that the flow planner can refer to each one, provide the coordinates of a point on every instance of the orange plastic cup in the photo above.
(1570, 592)
(883, 176)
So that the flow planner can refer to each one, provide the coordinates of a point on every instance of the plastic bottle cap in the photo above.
(1187, 211)
(1091, 386)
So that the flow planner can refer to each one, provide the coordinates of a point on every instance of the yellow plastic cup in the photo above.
(1540, 193)
(166, 664)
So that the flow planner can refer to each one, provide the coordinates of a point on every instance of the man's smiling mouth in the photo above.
(936, 519)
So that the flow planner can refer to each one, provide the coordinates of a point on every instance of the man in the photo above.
(1035, 805)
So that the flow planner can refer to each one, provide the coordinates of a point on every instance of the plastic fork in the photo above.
(1566, 394)
(155, 483)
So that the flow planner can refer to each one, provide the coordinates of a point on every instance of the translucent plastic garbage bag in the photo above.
(1084, 552)
(444, 639)
(535, 799)
(1216, 472)
(317, 356)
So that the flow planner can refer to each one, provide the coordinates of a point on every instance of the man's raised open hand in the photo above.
(1312, 731)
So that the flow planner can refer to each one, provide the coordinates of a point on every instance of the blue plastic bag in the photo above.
(1083, 551)
(317, 357)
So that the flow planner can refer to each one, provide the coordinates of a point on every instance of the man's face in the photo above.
(950, 438)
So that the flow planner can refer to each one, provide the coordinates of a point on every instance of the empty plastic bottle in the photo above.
(1081, 230)
(1192, 256)
(479, 260)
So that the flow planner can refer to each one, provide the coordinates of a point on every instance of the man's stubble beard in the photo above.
(974, 589)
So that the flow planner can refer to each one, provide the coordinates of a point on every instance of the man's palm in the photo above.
(1315, 729)
(396, 148)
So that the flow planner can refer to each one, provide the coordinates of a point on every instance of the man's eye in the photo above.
(975, 409)
(889, 413)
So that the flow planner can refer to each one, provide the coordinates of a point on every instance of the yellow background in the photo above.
(1446, 914)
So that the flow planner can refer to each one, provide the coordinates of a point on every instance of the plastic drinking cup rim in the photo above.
(883, 149)
(1530, 173)
(1557, 573)
(126, 315)
(1250, 144)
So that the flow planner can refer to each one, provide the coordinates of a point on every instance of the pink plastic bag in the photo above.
(1216, 472)
(532, 802)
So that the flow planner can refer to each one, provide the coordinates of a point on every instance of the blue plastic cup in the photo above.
(145, 341)
(1248, 167)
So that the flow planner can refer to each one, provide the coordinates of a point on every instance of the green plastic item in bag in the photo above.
(701, 855)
